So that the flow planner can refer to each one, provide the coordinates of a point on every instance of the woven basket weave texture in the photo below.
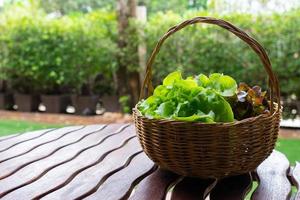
(210, 150)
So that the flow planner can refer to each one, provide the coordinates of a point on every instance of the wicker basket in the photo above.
(210, 150)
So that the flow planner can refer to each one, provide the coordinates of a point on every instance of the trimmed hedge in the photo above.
(50, 56)
(38, 54)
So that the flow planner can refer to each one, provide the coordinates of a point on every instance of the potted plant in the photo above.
(37, 64)
(24, 90)
(20, 62)
(55, 99)
(109, 98)
(92, 78)
(44, 56)
(41, 88)
(85, 102)
(55, 85)
(97, 90)
(6, 98)
(25, 97)
(112, 102)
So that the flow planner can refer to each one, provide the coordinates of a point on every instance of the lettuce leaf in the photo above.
(223, 84)
(198, 99)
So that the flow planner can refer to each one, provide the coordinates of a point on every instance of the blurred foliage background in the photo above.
(50, 55)
(53, 46)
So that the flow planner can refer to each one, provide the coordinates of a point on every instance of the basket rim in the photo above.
(236, 122)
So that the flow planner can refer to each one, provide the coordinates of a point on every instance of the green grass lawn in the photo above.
(8, 127)
(290, 147)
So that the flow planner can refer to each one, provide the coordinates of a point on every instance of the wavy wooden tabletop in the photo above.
(107, 162)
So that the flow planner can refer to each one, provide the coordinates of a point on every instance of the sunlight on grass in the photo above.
(8, 127)
(289, 147)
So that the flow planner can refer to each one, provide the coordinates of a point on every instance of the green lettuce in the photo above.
(223, 84)
(199, 98)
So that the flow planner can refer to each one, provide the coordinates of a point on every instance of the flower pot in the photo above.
(111, 103)
(27, 102)
(85, 105)
(6, 101)
(56, 103)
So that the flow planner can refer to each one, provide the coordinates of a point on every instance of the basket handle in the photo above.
(257, 48)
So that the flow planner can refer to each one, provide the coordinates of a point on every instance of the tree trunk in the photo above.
(128, 83)
(121, 74)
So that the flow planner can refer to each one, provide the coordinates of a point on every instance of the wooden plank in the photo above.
(88, 179)
(28, 146)
(8, 144)
(7, 137)
(296, 179)
(71, 142)
(272, 178)
(49, 172)
(120, 184)
(51, 160)
(232, 188)
(155, 186)
(193, 188)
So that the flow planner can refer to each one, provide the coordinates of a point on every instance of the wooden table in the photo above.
(106, 162)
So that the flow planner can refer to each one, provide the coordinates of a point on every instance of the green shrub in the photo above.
(54, 55)
(39, 54)
(207, 48)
